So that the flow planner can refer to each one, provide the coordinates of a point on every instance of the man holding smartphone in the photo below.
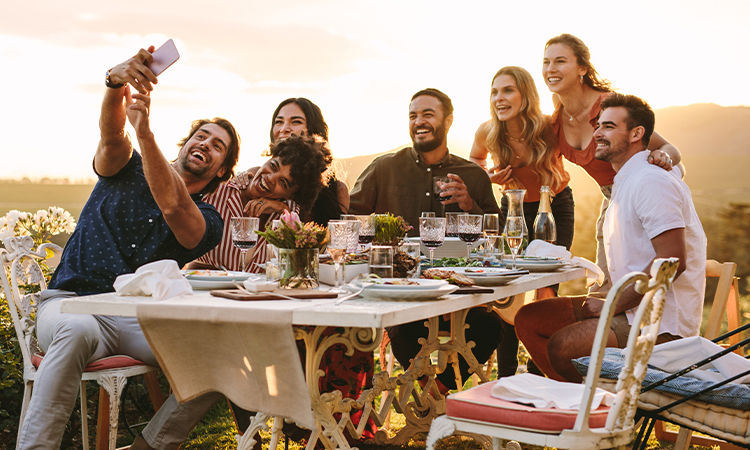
(142, 209)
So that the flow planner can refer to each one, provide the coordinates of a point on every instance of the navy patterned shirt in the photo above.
(120, 229)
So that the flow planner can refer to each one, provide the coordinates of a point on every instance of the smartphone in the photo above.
(164, 57)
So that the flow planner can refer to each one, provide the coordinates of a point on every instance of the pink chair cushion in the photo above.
(479, 405)
(110, 362)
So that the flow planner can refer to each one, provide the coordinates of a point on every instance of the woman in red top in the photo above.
(577, 92)
(524, 150)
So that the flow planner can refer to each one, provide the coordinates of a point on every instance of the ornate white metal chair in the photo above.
(476, 412)
(21, 262)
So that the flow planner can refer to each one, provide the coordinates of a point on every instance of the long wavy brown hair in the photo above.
(536, 132)
(583, 55)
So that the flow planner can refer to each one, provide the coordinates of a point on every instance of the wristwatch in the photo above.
(108, 82)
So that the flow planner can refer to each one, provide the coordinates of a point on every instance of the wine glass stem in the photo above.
(468, 252)
(432, 259)
(336, 267)
(243, 264)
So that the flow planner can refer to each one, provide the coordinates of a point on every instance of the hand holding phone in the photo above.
(164, 57)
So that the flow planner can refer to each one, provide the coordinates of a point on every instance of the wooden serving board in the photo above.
(236, 294)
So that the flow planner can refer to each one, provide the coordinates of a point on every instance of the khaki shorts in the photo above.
(619, 324)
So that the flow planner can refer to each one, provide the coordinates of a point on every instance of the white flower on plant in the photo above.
(40, 226)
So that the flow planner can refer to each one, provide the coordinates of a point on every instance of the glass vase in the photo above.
(299, 268)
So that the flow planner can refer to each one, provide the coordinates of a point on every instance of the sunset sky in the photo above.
(360, 61)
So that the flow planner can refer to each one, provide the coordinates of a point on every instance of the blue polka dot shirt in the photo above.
(120, 229)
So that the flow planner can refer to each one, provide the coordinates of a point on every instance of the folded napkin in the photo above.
(676, 355)
(546, 393)
(159, 279)
(538, 247)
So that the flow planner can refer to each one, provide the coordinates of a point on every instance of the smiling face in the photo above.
(290, 119)
(560, 68)
(613, 139)
(505, 98)
(273, 180)
(427, 126)
(203, 154)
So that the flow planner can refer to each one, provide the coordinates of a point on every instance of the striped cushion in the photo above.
(110, 362)
(479, 405)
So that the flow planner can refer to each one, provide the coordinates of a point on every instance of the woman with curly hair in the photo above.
(577, 91)
(299, 116)
(289, 180)
(524, 150)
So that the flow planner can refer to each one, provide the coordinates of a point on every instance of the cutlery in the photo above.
(245, 291)
(350, 296)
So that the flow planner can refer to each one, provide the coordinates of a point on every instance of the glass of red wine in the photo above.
(243, 234)
(366, 233)
(469, 230)
(432, 233)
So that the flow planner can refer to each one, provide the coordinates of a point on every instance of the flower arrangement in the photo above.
(390, 229)
(41, 226)
(298, 245)
(291, 233)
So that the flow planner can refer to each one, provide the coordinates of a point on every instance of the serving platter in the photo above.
(214, 279)
(489, 276)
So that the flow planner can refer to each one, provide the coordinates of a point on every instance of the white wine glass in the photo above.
(432, 234)
(343, 232)
(514, 235)
(243, 234)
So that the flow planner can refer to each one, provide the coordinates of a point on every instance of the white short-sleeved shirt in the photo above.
(647, 201)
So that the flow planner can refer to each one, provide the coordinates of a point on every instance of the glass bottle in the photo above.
(544, 224)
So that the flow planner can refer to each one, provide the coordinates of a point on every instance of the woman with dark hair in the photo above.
(289, 180)
(524, 152)
(297, 116)
(577, 91)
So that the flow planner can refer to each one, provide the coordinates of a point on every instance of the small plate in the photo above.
(377, 292)
(489, 276)
(214, 279)
(424, 284)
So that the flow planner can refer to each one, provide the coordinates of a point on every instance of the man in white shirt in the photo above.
(651, 216)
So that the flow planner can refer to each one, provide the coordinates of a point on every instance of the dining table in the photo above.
(254, 368)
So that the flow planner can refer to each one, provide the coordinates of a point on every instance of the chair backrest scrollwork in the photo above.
(21, 264)
(641, 340)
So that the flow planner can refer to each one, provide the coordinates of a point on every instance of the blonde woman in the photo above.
(524, 151)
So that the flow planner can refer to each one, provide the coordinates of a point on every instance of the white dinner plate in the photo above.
(489, 276)
(424, 284)
(535, 264)
(379, 292)
(214, 279)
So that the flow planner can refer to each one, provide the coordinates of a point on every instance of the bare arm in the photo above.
(168, 188)
(663, 154)
(670, 244)
(479, 150)
(115, 148)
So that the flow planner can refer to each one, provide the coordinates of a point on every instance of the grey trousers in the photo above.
(71, 341)
(601, 258)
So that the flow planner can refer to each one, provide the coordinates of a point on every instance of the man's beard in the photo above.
(187, 166)
(612, 152)
(428, 146)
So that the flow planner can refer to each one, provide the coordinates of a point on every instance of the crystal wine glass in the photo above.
(243, 234)
(366, 233)
(469, 230)
(514, 235)
(490, 227)
(343, 232)
(432, 233)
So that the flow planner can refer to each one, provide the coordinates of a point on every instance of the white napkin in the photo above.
(160, 279)
(676, 355)
(538, 247)
(546, 393)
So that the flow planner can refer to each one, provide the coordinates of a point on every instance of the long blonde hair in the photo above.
(536, 133)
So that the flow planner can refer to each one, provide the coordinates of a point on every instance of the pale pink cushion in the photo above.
(479, 405)
(110, 362)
